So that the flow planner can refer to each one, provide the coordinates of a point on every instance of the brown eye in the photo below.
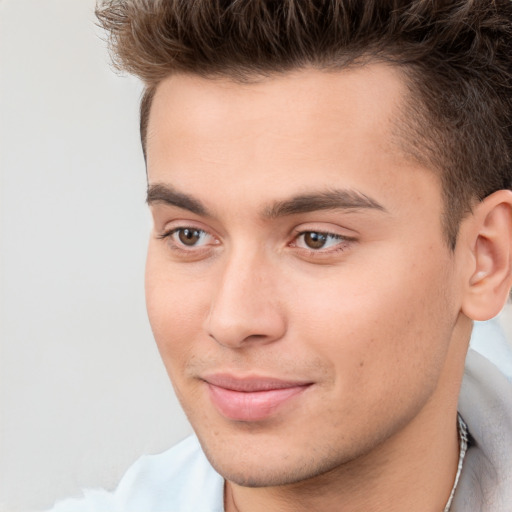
(315, 240)
(189, 237)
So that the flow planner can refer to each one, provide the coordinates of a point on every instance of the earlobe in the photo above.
(491, 245)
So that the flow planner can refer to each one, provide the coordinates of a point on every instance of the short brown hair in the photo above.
(457, 55)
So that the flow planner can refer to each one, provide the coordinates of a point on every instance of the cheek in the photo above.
(176, 305)
(374, 324)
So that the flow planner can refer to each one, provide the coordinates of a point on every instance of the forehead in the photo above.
(354, 102)
(292, 132)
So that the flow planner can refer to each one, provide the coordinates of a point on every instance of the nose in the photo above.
(245, 308)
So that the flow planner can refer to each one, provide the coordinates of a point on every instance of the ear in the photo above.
(489, 238)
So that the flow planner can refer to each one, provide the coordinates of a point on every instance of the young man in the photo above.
(329, 182)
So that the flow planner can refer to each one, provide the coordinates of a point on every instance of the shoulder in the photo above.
(178, 480)
(485, 404)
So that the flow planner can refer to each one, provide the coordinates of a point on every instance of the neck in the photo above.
(394, 477)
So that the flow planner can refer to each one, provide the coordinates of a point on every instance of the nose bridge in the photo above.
(244, 306)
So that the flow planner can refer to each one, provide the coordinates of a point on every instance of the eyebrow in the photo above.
(160, 193)
(337, 199)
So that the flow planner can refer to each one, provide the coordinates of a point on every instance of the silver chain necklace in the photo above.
(463, 446)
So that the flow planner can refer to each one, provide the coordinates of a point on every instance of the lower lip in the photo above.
(251, 406)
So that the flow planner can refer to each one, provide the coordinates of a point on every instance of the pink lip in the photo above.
(251, 399)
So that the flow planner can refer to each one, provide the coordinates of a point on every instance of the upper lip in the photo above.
(250, 384)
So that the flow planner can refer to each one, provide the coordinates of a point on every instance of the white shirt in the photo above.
(178, 480)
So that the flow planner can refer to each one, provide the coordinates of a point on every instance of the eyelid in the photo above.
(166, 227)
(325, 228)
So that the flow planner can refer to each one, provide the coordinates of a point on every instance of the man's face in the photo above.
(299, 287)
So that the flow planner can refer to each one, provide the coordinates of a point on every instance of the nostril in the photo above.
(242, 335)
(232, 340)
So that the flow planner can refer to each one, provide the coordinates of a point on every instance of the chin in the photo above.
(261, 474)
(264, 464)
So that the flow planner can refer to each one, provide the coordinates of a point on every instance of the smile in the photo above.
(253, 399)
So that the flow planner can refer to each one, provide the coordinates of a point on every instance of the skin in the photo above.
(373, 320)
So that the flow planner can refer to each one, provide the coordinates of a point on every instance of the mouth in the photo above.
(251, 399)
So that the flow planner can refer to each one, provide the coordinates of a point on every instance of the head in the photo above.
(328, 181)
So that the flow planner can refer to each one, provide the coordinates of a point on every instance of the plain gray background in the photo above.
(82, 391)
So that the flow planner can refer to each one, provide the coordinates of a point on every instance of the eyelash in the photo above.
(343, 244)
